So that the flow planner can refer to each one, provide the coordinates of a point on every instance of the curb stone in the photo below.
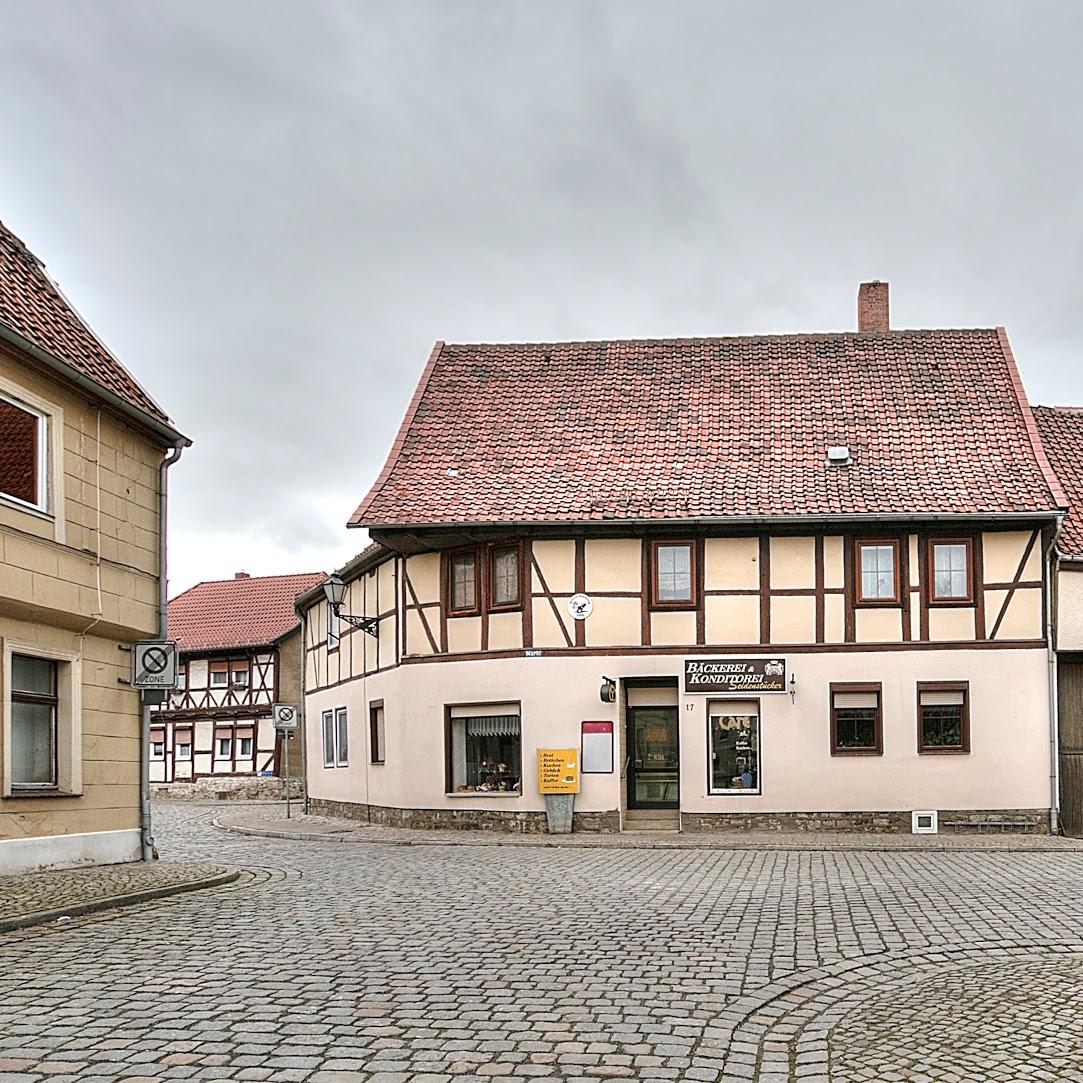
(111, 902)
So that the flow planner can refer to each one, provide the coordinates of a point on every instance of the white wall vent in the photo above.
(923, 823)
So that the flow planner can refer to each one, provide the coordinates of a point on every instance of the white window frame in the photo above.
(334, 630)
(241, 754)
(212, 674)
(342, 729)
(51, 458)
(181, 755)
(738, 708)
(218, 753)
(69, 717)
(327, 719)
(236, 675)
(156, 744)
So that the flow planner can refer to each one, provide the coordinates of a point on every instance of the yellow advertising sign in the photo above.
(558, 770)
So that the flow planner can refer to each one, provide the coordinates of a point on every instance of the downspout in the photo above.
(1051, 599)
(145, 836)
(304, 710)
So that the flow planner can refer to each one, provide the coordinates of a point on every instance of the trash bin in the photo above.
(558, 811)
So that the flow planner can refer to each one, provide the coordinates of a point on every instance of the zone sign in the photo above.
(154, 664)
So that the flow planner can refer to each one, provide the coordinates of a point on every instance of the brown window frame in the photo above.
(857, 686)
(374, 706)
(896, 596)
(694, 601)
(449, 592)
(930, 571)
(963, 748)
(51, 700)
(490, 551)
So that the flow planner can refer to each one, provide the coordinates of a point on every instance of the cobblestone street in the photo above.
(379, 962)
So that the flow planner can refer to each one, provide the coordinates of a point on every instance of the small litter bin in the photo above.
(558, 811)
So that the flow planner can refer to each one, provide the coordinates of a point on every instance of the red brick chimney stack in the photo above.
(241, 575)
(872, 307)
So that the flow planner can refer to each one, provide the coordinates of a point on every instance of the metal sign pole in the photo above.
(286, 742)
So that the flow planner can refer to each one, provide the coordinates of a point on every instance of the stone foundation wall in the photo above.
(1025, 821)
(227, 788)
(523, 823)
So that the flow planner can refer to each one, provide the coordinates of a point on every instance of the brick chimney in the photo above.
(241, 575)
(872, 307)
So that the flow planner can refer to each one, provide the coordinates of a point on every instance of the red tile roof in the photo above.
(1062, 434)
(936, 422)
(247, 612)
(33, 307)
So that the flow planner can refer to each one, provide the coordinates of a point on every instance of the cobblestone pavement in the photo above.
(75, 890)
(386, 963)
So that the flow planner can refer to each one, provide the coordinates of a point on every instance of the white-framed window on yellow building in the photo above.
(42, 723)
(31, 456)
(733, 740)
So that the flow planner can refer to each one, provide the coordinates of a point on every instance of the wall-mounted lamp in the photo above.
(334, 590)
(793, 688)
(608, 692)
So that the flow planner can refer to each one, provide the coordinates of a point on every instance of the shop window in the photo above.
(484, 748)
(504, 579)
(857, 722)
(733, 734)
(328, 739)
(34, 722)
(463, 582)
(342, 738)
(943, 716)
(22, 454)
(377, 749)
(673, 574)
(950, 571)
(878, 571)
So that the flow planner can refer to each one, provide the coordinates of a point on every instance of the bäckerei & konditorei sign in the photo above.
(735, 675)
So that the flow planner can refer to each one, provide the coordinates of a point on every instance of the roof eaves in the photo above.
(400, 438)
(1036, 445)
(171, 437)
(370, 557)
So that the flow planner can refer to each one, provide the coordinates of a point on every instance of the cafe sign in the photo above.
(735, 675)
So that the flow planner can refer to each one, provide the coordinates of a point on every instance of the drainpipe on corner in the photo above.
(146, 838)
(1054, 707)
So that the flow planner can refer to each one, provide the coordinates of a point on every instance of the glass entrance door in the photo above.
(654, 758)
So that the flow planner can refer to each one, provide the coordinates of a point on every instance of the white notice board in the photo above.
(597, 758)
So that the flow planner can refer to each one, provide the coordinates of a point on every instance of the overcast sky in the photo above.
(270, 210)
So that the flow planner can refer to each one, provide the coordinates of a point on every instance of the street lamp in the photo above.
(334, 590)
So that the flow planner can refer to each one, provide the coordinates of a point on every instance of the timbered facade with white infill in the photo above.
(774, 582)
(240, 653)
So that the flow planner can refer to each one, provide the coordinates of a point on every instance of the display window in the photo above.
(733, 734)
(484, 748)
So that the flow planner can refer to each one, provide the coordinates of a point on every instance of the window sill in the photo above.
(742, 792)
(857, 752)
(943, 751)
(486, 793)
(31, 509)
(18, 795)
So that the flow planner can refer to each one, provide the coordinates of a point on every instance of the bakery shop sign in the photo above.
(735, 675)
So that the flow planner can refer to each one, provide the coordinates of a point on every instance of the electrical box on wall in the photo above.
(923, 823)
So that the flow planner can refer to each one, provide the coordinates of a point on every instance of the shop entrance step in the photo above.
(649, 819)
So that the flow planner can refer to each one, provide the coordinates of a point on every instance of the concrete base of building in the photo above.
(68, 851)
(970, 821)
(227, 788)
(524, 823)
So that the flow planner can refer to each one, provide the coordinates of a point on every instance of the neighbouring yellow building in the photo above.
(84, 452)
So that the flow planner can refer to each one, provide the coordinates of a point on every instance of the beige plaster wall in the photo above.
(878, 625)
(834, 564)
(423, 571)
(731, 563)
(614, 622)
(1002, 551)
(556, 559)
(613, 564)
(1008, 767)
(793, 563)
(793, 620)
(950, 623)
(672, 628)
(733, 618)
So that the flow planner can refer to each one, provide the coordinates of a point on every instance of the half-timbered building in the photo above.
(239, 642)
(776, 581)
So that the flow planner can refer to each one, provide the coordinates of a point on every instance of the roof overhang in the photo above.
(369, 558)
(169, 436)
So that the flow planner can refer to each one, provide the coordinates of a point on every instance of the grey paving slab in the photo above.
(448, 963)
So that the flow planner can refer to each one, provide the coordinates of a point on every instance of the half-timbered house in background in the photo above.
(783, 581)
(240, 652)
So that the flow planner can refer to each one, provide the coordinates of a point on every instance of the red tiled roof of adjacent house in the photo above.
(33, 307)
(1062, 435)
(936, 422)
(246, 611)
